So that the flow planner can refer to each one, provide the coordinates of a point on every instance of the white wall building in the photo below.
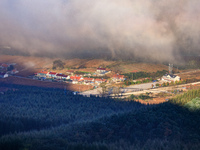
(169, 78)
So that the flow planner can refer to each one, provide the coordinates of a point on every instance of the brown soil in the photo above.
(190, 75)
(153, 101)
(125, 68)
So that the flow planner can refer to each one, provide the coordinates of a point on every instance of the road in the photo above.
(132, 88)
(92, 92)
(143, 86)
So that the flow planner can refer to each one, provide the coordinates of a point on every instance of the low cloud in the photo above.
(156, 30)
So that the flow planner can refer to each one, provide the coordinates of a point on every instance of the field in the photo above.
(191, 74)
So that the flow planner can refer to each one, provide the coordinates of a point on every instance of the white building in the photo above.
(3, 75)
(169, 78)
(101, 70)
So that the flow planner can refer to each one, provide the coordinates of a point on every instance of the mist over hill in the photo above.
(153, 30)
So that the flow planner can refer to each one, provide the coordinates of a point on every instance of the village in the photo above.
(102, 76)
(7, 69)
(104, 81)
(94, 79)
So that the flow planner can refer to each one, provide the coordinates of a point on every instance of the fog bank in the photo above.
(156, 30)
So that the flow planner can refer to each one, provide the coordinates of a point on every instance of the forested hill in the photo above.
(51, 119)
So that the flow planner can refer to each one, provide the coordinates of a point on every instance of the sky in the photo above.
(156, 30)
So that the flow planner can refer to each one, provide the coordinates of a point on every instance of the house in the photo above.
(5, 65)
(101, 70)
(61, 76)
(3, 75)
(42, 73)
(70, 72)
(14, 71)
(52, 74)
(170, 77)
(88, 81)
(76, 79)
(65, 77)
(99, 81)
(118, 78)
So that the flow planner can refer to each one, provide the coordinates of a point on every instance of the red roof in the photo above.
(118, 76)
(14, 70)
(44, 72)
(101, 68)
(65, 75)
(75, 78)
(53, 73)
(89, 79)
(4, 65)
(98, 79)
(103, 80)
(60, 75)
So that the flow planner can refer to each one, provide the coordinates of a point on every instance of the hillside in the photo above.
(37, 118)
(28, 65)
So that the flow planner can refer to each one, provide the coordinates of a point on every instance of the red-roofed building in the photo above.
(52, 74)
(61, 76)
(70, 72)
(118, 77)
(76, 79)
(99, 81)
(89, 79)
(4, 65)
(14, 71)
(65, 77)
(42, 73)
(101, 70)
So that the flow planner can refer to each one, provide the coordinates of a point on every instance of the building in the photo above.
(88, 81)
(4, 65)
(14, 71)
(70, 72)
(62, 76)
(101, 70)
(65, 77)
(170, 78)
(52, 74)
(59, 76)
(3, 75)
(76, 79)
(42, 73)
(118, 78)
(99, 81)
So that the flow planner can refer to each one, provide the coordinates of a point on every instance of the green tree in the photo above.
(10, 68)
(58, 64)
